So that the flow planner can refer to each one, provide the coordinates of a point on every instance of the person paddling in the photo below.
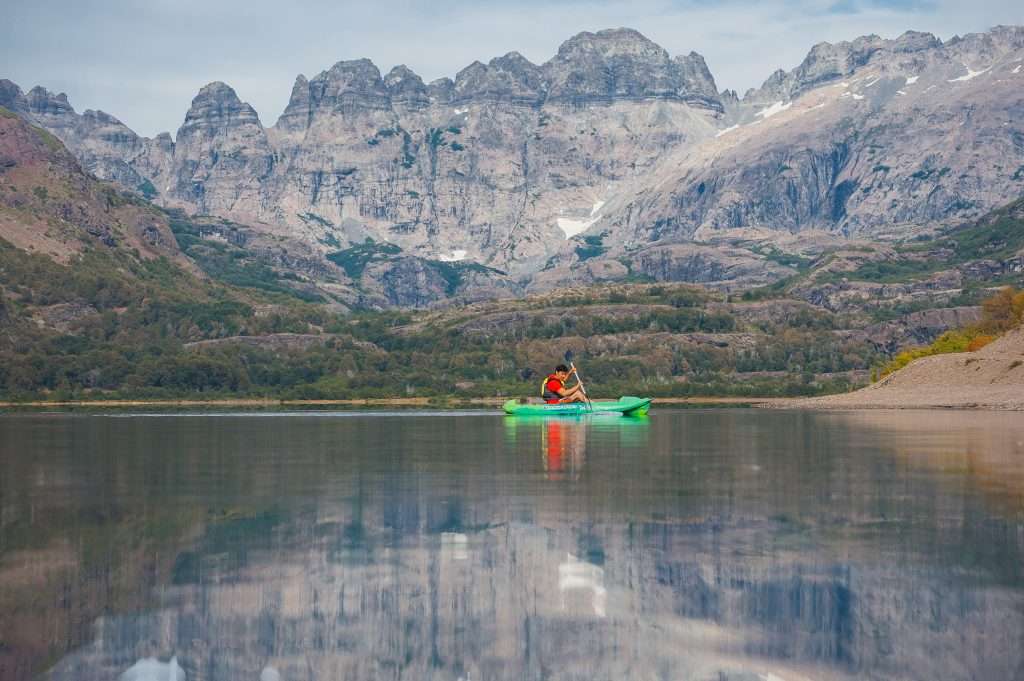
(554, 390)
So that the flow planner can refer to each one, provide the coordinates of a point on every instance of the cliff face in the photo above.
(606, 162)
(872, 138)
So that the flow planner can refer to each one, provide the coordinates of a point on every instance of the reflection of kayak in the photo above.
(627, 406)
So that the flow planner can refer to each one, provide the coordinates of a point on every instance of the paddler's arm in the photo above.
(569, 392)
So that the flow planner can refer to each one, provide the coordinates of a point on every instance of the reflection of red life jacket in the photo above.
(555, 451)
(550, 389)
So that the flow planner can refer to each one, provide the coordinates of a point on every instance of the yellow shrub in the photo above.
(978, 342)
(951, 341)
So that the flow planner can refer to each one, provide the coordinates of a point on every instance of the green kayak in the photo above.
(627, 406)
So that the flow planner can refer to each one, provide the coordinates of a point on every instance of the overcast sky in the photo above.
(144, 60)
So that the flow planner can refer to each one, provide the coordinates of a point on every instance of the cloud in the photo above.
(143, 62)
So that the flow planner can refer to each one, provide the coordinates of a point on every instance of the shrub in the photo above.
(1003, 311)
(979, 342)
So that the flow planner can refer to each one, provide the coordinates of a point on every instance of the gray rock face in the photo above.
(919, 135)
(406, 89)
(827, 62)
(612, 139)
(222, 153)
(512, 79)
(348, 88)
(623, 64)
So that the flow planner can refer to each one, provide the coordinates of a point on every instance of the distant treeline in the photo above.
(125, 325)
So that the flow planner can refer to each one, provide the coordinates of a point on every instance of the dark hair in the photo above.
(561, 367)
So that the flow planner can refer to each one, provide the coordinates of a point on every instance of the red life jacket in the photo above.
(550, 392)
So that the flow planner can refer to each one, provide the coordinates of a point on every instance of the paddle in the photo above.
(568, 358)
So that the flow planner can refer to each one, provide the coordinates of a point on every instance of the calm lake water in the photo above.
(694, 544)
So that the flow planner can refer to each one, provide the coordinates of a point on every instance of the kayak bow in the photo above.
(627, 406)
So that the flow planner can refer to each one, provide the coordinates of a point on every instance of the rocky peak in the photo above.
(42, 102)
(696, 80)
(441, 90)
(164, 141)
(511, 78)
(828, 62)
(350, 83)
(102, 117)
(406, 88)
(610, 43)
(106, 128)
(983, 48)
(221, 144)
(348, 87)
(11, 96)
(298, 114)
(623, 64)
(217, 108)
(915, 41)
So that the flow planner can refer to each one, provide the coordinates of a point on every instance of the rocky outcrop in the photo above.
(917, 328)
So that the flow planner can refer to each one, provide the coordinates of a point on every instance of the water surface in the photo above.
(717, 544)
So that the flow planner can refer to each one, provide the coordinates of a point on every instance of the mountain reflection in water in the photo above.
(720, 544)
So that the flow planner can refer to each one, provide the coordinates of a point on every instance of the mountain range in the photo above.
(612, 161)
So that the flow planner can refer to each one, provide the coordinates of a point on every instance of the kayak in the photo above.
(627, 406)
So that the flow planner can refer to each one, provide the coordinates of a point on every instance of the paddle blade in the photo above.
(568, 356)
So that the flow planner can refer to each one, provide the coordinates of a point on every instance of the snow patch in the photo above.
(872, 82)
(970, 75)
(818, 106)
(459, 112)
(1017, 70)
(776, 108)
(913, 79)
(597, 207)
(727, 130)
(455, 545)
(858, 97)
(152, 669)
(901, 93)
(573, 227)
(455, 256)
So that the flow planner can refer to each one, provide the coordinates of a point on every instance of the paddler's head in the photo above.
(562, 372)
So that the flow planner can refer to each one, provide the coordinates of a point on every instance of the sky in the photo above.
(144, 60)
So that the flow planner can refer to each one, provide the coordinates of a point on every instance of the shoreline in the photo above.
(816, 404)
(356, 402)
